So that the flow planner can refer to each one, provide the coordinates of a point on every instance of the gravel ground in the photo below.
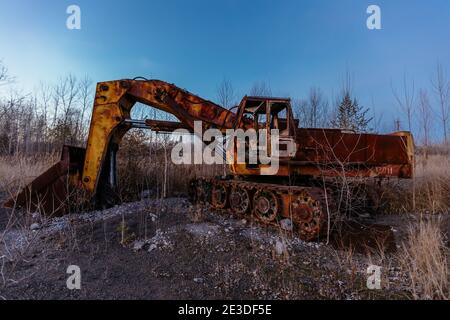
(172, 250)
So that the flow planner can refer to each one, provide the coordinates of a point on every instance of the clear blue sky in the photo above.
(292, 45)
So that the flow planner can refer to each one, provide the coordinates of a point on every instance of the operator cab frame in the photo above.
(267, 113)
(256, 112)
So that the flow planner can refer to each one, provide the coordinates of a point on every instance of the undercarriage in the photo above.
(304, 210)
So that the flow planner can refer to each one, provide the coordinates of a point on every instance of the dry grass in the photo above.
(138, 170)
(432, 184)
(17, 171)
(427, 193)
(144, 164)
(424, 257)
(153, 176)
(435, 166)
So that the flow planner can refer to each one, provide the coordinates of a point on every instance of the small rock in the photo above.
(243, 221)
(35, 226)
(138, 245)
(286, 224)
(152, 247)
(198, 280)
(279, 247)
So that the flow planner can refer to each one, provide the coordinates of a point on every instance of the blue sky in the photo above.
(292, 45)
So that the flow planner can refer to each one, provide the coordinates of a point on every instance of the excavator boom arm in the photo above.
(112, 106)
(85, 170)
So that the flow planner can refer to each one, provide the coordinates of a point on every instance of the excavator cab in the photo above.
(268, 113)
(274, 115)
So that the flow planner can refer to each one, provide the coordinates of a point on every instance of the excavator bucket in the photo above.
(52, 193)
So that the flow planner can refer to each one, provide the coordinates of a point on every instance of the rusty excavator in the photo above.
(297, 192)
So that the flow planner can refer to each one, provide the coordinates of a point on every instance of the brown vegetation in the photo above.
(425, 257)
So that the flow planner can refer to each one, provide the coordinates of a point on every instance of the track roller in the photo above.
(219, 196)
(266, 206)
(240, 200)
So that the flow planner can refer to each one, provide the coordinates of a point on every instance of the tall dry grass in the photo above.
(432, 184)
(424, 257)
(427, 193)
(18, 170)
(145, 168)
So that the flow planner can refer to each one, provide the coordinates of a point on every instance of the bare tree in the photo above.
(5, 78)
(313, 111)
(18, 123)
(406, 100)
(318, 108)
(441, 88)
(85, 97)
(397, 124)
(300, 109)
(261, 88)
(225, 94)
(377, 118)
(65, 98)
(42, 121)
(44, 97)
(425, 118)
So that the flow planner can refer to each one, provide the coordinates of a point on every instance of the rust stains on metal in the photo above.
(50, 192)
(166, 126)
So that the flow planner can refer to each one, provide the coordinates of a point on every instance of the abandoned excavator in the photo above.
(296, 192)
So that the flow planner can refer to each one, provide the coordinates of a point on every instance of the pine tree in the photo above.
(351, 116)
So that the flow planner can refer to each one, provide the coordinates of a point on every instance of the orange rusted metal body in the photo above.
(319, 152)
(328, 152)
